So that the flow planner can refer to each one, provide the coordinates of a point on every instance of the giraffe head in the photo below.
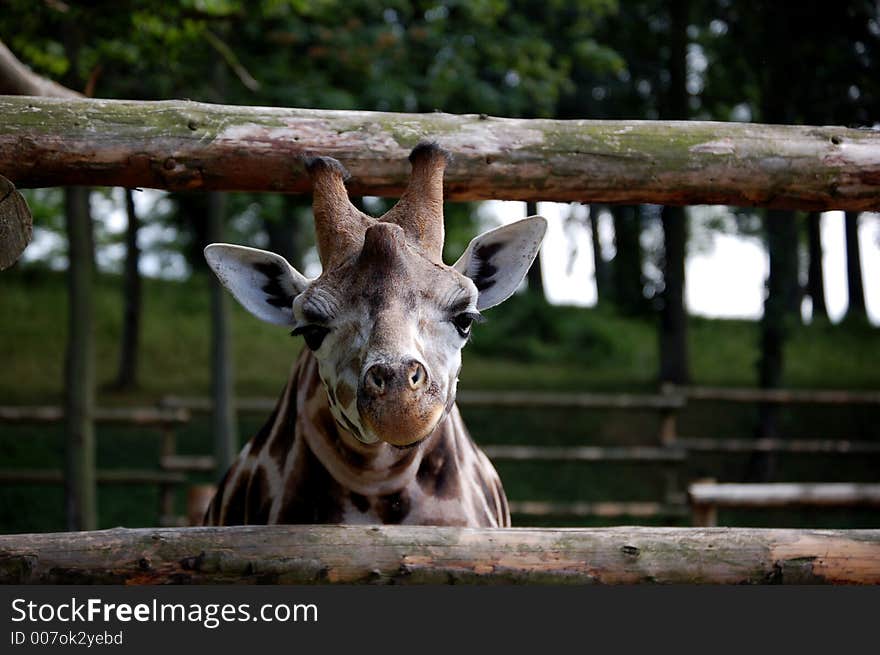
(386, 319)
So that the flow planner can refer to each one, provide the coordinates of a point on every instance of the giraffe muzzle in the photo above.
(382, 378)
(398, 402)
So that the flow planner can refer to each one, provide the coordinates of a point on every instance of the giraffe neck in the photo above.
(367, 469)
(303, 467)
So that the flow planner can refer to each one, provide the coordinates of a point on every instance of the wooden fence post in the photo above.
(167, 448)
(79, 383)
(222, 375)
(668, 436)
(703, 515)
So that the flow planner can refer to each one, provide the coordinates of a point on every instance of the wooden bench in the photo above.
(706, 497)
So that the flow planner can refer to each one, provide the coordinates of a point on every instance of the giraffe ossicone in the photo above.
(366, 430)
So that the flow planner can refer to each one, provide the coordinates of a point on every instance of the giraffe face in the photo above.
(387, 328)
(387, 325)
(386, 319)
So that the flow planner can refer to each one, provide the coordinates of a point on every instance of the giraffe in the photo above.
(366, 429)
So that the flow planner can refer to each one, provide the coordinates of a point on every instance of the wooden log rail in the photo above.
(794, 446)
(102, 476)
(603, 454)
(441, 555)
(778, 396)
(530, 399)
(180, 145)
(605, 509)
(138, 416)
(707, 497)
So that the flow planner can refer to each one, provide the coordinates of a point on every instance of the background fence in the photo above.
(684, 494)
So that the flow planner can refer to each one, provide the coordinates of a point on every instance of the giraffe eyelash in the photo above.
(464, 321)
(313, 334)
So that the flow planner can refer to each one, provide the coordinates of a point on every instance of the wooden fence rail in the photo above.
(530, 399)
(584, 453)
(181, 145)
(172, 467)
(778, 396)
(442, 555)
(707, 496)
(799, 446)
(144, 416)
(102, 476)
(785, 494)
(672, 449)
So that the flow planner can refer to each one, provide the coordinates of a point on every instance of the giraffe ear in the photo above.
(498, 260)
(263, 282)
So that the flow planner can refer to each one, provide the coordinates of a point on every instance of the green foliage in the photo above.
(526, 330)
(809, 62)
(493, 56)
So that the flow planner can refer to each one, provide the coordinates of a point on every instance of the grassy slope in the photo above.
(570, 349)
(523, 345)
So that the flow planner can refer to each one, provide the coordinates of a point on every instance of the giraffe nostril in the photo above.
(417, 375)
(382, 379)
(376, 381)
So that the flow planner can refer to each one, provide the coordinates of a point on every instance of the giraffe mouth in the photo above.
(398, 402)
(400, 426)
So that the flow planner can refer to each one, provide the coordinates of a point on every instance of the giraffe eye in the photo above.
(313, 335)
(464, 321)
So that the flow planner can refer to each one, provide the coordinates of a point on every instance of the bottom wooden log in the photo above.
(431, 555)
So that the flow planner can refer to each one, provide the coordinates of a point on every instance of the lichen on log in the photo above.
(181, 145)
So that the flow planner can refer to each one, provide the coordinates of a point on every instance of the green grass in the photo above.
(175, 350)
(524, 345)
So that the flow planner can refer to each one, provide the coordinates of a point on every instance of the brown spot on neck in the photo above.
(258, 502)
(311, 495)
(439, 472)
(393, 508)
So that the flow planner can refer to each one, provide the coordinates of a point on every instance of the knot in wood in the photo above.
(178, 175)
(630, 551)
(192, 563)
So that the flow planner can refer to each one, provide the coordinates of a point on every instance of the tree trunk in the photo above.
(674, 366)
(856, 308)
(216, 147)
(80, 490)
(281, 233)
(781, 307)
(781, 303)
(17, 79)
(535, 278)
(289, 233)
(131, 326)
(627, 263)
(603, 274)
(222, 372)
(815, 273)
